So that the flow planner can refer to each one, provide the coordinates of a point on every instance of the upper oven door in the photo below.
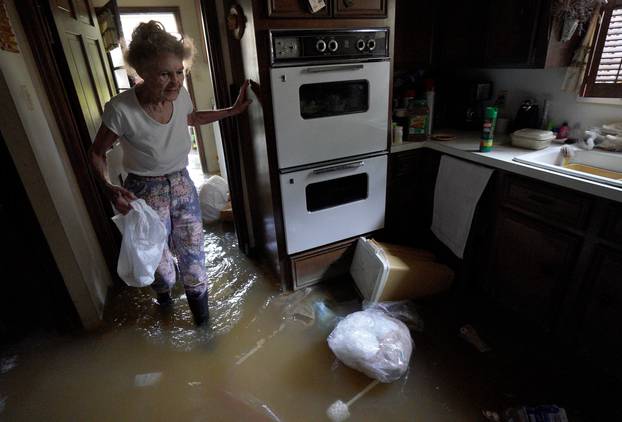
(327, 112)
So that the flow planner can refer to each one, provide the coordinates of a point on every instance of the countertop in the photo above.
(466, 146)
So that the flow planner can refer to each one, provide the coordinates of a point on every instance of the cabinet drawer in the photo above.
(294, 9)
(403, 164)
(551, 203)
(360, 8)
(323, 263)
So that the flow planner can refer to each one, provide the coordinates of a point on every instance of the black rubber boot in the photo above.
(199, 307)
(164, 300)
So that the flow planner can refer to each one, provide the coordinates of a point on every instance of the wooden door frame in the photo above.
(229, 130)
(40, 28)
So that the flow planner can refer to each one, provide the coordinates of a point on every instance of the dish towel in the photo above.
(459, 186)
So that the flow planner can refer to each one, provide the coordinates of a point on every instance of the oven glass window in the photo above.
(334, 192)
(333, 98)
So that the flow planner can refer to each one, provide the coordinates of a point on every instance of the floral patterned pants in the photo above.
(175, 199)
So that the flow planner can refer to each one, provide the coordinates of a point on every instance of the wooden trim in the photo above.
(590, 87)
(45, 44)
(228, 127)
(126, 10)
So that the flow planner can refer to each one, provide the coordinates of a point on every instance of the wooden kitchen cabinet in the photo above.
(600, 334)
(532, 264)
(334, 8)
(360, 8)
(523, 34)
(295, 9)
(410, 195)
(549, 256)
(459, 34)
(512, 31)
(480, 33)
(414, 33)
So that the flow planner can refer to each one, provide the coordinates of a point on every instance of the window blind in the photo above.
(610, 65)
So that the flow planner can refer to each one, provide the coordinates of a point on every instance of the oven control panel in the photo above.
(310, 46)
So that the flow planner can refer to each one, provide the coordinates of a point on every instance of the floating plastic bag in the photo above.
(374, 343)
(213, 196)
(144, 237)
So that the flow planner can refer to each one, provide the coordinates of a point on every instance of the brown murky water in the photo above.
(264, 358)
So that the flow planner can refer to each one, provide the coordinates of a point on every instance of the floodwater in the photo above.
(263, 358)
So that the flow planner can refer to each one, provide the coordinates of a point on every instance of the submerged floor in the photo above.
(264, 358)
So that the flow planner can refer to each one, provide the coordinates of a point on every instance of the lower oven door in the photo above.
(329, 203)
(324, 113)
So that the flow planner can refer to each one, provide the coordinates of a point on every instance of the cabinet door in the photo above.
(414, 33)
(512, 32)
(294, 9)
(531, 266)
(360, 8)
(460, 33)
(410, 196)
(601, 331)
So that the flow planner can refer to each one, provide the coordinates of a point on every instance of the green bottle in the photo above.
(488, 129)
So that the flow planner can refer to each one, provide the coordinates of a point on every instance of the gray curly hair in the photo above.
(150, 39)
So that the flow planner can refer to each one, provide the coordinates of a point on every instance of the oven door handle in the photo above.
(339, 167)
(321, 69)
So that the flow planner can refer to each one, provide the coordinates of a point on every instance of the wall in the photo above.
(544, 84)
(35, 144)
(201, 77)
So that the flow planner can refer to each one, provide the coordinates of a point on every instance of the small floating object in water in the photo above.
(340, 411)
(147, 380)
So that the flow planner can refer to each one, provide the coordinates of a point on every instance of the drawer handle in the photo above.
(540, 199)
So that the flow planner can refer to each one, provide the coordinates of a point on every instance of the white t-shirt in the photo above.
(150, 148)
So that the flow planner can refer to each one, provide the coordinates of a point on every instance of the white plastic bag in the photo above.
(213, 196)
(144, 238)
(374, 343)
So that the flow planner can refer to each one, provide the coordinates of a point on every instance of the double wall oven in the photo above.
(330, 94)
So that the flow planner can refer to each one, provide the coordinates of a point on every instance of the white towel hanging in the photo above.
(459, 186)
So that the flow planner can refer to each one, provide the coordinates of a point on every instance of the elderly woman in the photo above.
(151, 121)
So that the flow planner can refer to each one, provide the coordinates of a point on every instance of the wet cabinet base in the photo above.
(320, 264)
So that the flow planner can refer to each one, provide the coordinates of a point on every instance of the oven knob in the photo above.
(371, 44)
(333, 45)
(360, 45)
(320, 46)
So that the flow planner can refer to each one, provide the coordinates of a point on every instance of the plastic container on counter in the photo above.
(532, 138)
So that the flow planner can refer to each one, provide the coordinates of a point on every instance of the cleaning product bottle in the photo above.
(418, 121)
(488, 129)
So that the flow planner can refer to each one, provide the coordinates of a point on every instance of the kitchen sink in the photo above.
(599, 166)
